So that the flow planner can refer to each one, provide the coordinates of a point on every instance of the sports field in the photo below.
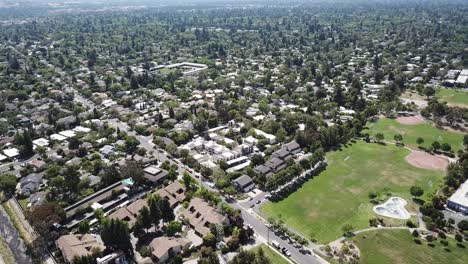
(339, 195)
(390, 127)
(397, 246)
(453, 97)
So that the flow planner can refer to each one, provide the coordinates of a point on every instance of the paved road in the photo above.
(12, 238)
(249, 216)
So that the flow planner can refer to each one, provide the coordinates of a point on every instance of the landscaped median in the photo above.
(339, 196)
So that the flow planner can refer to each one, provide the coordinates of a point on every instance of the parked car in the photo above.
(276, 244)
(286, 252)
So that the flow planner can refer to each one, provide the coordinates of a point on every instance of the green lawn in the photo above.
(339, 195)
(453, 97)
(272, 255)
(397, 246)
(390, 127)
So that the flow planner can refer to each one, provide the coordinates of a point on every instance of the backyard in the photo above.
(339, 195)
(390, 127)
(397, 246)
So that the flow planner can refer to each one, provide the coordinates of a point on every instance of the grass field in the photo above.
(339, 195)
(390, 127)
(397, 246)
(453, 97)
(272, 255)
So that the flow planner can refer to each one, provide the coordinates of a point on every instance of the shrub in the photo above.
(415, 233)
(417, 241)
(444, 242)
(410, 224)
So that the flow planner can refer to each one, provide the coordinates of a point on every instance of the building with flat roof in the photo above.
(459, 199)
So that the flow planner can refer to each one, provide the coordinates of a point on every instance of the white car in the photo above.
(276, 244)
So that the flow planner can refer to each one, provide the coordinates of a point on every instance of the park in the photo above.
(411, 131)
(398, 246)
(453, 97)
(341, 195)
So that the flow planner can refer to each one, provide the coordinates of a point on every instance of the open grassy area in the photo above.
(397, 246)
(5, 252)
(272, 255)
(390, 127)
(339, 195)
(453, 97)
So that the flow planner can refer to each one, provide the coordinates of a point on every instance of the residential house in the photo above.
(73, 246)
(201, 216)
(154, 174)
(244, 183)
(163, 248)
(174, 193)
(129, 213)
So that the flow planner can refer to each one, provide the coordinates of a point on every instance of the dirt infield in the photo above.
(425, 160)
(410, 120)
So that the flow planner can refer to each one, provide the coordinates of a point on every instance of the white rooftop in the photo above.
(153, 170)
(3, 157)
(461, 195)
(41, 142)
(11, 152)
(57, 137)
(67, 133)
(82, 129)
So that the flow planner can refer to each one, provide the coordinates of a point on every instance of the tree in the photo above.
(155, 212)
(43, 216)
(446, 147)
(7, 183)
(257, 159)
(416, 191)
(25, 142)
(115, 235)
(173, 227)
(435, 145)
(131, 144)
(209, 240)
(83, 227)
(428, 92)
(187, 180)
(208, 256)
(347, 229)
(167, 214)
(379, 137)
(111, 175)
(172, 175)
(133, 170)
(398, 138)
(144, 218)
(420, 140)
(74, 143)
(463, 225)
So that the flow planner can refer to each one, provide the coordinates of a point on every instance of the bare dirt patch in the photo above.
(425, 160)
(410, 120)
